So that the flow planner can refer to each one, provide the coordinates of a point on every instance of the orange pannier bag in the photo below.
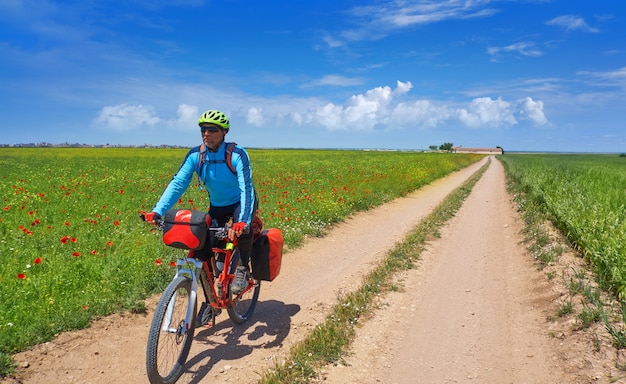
(185, 228)
(267, 254)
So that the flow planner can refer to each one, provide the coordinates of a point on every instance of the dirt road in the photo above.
(474, 310)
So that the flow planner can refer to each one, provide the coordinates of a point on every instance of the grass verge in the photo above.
(587, 301)
(330, 340)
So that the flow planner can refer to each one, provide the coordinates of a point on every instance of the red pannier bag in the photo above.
(267, 254)
(185, 228)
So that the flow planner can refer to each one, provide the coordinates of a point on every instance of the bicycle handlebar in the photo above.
(220, 232)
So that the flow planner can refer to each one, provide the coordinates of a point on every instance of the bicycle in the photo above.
(174, 322)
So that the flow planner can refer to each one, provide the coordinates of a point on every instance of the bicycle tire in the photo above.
(240, 309)
(167, 351)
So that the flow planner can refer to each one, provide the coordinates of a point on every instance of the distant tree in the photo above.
(433, 147)
(446, 147)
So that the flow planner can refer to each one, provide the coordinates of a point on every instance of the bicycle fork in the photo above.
(189, 267)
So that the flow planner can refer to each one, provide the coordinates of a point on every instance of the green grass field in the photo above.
(74, 249)
(585, 197)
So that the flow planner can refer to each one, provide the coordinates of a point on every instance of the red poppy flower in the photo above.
(21, 276)
(116, 223)
(64, 239)
(7, 208)
(76, 254)
(38, 260)
(172, 263)
(73, 239)
(85, 307)
(159, 261)
(109, 243)
(67, 223)
(94, 252)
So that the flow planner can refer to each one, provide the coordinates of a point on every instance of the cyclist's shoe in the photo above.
(241, 280)
(205, 315)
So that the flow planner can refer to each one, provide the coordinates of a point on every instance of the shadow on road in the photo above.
(226, 341)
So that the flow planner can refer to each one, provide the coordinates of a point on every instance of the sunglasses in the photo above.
(210, 129)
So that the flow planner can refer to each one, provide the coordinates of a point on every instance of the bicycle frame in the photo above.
(225, 277)
(191, 267)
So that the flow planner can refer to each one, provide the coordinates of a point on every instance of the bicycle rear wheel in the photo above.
(240, 309)
(168, 341)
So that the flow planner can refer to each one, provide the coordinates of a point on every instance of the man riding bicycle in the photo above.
(224, 168)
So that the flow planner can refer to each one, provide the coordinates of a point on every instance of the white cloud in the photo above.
(187, 118)
(382, 107)
(532, 110)
(421, 113)
(330, 116)
(607, 78)
(125, 117)
(619, 74)
(571, 23)
(334, 80)
(379, 108)
(524, 48)
(297, 117)
(332, 42)
(484, 112)
(386, 108)
(255, 117)
(361, 112)
(376, 21)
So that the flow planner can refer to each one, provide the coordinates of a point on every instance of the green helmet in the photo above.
(214, 117)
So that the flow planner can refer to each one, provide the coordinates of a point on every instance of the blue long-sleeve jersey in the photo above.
(224, 187)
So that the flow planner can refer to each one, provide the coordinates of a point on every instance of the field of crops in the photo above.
(73, 247)
(585, 196)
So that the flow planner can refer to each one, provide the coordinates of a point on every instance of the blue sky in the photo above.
(524, 75)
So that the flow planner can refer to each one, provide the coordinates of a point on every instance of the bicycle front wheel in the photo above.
(241, 308)
(168, 341)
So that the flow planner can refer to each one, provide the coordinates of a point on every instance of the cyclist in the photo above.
(231, 192)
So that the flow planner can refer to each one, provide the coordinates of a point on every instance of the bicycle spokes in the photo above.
(171, 332)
